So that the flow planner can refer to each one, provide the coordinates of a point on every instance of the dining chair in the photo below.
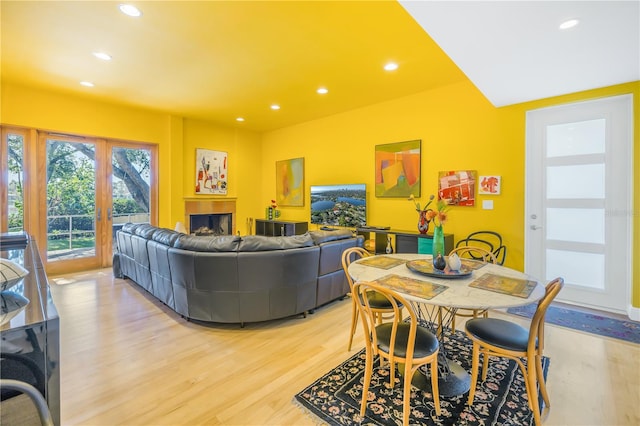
(379, 305)
(480, 255)
(502, 338)
(399, 341)
(487, 240)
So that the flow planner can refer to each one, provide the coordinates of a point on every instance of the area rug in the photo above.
(501, 400)
(584, 321)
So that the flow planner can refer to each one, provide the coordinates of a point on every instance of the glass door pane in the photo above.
(71, 200)
(131, 182)
(15, 183)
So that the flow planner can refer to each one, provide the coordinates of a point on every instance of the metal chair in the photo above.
(479, 255)
(35, 396)
(379, 305)
(488, 240)
(398, 341)
(501, 338)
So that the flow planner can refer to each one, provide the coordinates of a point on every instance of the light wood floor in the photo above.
(126, 359)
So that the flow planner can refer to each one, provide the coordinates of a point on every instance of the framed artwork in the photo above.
(489, 185)
(290, 182)
(211, 172)
(457, 187)
(397, 168)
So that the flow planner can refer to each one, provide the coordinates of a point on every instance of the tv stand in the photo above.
(275, 228)
(406, 241)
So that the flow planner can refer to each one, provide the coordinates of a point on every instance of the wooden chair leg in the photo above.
(475, 361)
(406, 395)
(485, 365)
(368, 372)
(435, 391)
(533, 391)
(354, 323)
(541, 381)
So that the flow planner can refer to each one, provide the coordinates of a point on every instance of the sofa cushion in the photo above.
(145, 230)
(320, 237)
(262, 243)
(167, 237)
(207, 243)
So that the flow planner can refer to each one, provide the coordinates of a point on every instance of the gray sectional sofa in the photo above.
(233, 279)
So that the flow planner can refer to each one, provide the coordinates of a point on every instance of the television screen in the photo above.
(339, 205)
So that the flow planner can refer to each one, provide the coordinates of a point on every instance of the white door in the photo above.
(579, 200)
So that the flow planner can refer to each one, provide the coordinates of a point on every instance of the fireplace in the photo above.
(211, 224)
(217, 215)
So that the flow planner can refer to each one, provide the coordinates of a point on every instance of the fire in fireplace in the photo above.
(211, 224)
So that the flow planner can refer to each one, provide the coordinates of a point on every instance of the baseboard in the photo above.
(634, 313)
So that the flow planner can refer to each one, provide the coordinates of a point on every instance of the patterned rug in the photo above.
(501, 400)
(584, 321)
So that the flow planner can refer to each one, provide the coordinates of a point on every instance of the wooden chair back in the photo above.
(350, 255)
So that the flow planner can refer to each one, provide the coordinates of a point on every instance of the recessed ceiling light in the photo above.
(102, 55)
(323, 90)
(87, 83)
(130, 10)
(570, 23)
(239, 119)
(391, 66)
(275, 107)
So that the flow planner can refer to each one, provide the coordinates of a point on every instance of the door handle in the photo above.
(535, 227)
(109, 213)
(99, 214)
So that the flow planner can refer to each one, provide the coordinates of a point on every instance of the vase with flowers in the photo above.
(424, 218)
(272, 211)
(439, 217)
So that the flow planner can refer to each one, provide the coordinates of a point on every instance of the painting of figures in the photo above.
(397, 168)
(211, 172)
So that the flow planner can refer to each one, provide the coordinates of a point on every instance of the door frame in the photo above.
(534, 156)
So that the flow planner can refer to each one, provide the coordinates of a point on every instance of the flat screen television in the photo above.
(339, 205)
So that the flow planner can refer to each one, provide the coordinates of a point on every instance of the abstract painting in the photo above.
(489, 185)
(290, 182)
(398, 169)
(457, 187)
(211, 172)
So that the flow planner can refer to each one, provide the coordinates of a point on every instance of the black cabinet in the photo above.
(273, 228)
(405, 241)
(30, 333)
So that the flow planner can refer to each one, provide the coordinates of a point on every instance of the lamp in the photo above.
(180, 228)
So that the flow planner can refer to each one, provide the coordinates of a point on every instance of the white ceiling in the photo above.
(514, 52)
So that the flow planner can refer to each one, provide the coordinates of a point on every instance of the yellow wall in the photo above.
(176, 137)
(459, 129)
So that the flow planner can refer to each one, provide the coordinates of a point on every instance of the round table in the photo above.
(453, 379)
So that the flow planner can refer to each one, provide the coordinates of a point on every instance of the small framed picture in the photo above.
(489, 185)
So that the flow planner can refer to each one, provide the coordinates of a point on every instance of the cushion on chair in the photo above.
(426, 341)
(378, 301)
(500, 333)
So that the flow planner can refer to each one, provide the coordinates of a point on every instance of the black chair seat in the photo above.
(426, 342)
(378, 301)
(500, 333)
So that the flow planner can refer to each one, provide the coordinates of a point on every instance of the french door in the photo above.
(73, 193)
(579, 199)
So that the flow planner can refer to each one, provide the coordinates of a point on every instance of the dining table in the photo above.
(474, 285)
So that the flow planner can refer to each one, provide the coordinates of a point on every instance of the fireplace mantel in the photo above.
(209, 205)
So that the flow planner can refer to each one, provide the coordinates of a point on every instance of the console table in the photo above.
(406, 241)
(274, 228)
(30, 349)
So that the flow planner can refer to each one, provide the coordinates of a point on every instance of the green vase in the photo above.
(438, 241)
